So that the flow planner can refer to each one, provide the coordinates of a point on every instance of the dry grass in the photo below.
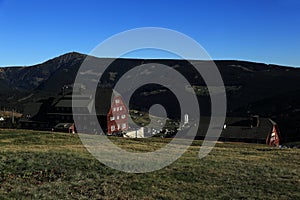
(45, 165)
(8, 114)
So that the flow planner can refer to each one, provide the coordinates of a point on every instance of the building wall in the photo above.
(274, 138)
(135, 134)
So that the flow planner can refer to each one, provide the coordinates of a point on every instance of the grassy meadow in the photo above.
(45, 165)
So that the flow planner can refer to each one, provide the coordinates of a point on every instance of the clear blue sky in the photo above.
(256, 30)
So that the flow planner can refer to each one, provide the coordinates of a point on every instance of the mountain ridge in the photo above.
(30, 78)
(252, 88)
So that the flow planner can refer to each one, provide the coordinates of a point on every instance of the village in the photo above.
(56, 114)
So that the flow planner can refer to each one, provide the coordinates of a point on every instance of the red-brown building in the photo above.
(273, 138)
(117, 117)
(252, 129)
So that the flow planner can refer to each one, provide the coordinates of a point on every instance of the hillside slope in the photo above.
(252, 88)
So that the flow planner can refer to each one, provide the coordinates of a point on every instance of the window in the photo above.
(123, 116)
(112, 128)
(273, 134)
(117, 101)
(118, 117)
(121, 108)
(123, 126)
(112, 118)
(117, 108)
(119, 126)
(114, 109)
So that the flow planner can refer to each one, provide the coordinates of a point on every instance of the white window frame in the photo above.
(112, 127)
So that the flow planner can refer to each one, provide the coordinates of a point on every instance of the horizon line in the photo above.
(144, 58)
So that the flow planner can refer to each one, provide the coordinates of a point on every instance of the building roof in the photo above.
(63, 125)
(32, 109)
(78, 97)
(103, 98)
(80, 102)
(240, 128)
(68, 103)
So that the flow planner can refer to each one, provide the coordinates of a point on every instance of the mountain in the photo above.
(252, 88)
(36, 81)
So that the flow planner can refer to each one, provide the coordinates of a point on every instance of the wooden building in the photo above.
(117, 117)
(62, 111)
(273, 138)
(253, 129)
(52, 113)
(56, 112)
(34, 115)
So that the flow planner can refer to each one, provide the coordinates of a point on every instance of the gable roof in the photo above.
(32, 109)
(238, 128)
(76, 101)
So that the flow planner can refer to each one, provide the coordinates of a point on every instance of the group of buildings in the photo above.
(57, 114)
